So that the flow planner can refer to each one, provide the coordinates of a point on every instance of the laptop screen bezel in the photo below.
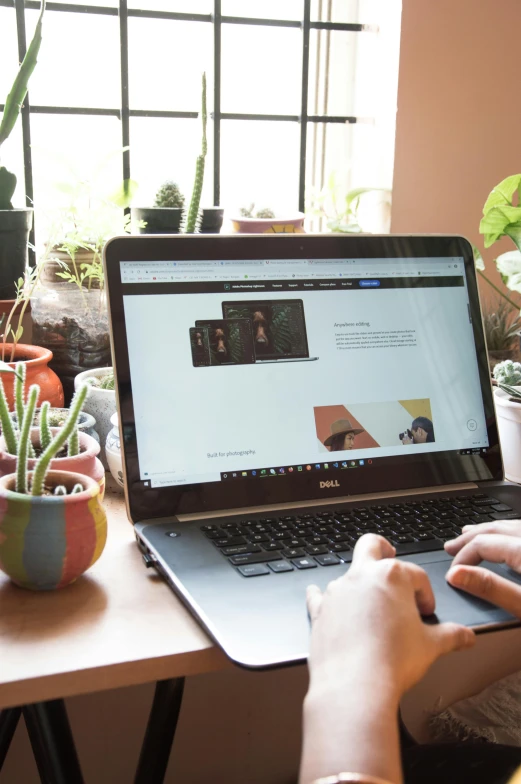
(387, 474)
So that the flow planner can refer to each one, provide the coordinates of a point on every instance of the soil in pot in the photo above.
(74, 325)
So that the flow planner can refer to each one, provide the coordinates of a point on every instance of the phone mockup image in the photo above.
(230, 341)
(200, 345)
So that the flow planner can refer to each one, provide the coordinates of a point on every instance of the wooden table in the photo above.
(118, 625)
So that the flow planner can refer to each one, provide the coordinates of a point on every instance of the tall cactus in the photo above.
(25, 439)
(193, 210)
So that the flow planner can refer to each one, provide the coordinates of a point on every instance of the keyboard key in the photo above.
(258, 538)
(401, 539)
(252, 558)
(229, 541)
(294, 543)
(296, 552)
(340, 548)
(281, 536)
(423, 536)
(319, 549)
(477, 519)
(270, 547)
(240, 549)
(339, 538)
(506, 515)
(255, 570)
(419, 547)
(304, 563)
(502, 508)
(214, 534)
(487, 501)
(208, 528)
(316, 540)
(280, 566)
(327, 560)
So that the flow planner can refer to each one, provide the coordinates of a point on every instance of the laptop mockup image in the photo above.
(244, 484)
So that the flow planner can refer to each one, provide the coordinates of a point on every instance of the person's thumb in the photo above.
(313, 601)
(450, 637)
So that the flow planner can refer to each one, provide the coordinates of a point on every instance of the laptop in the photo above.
(245, 484)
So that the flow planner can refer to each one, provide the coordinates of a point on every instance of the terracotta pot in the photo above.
(85, 463)
(279, 225)
(36, 359)
(47, 542)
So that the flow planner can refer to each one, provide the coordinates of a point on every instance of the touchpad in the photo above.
(453, 604)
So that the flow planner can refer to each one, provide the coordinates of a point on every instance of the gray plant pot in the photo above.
(15, 226)
(159, 220)
(211, 220)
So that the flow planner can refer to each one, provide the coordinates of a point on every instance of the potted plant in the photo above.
(15, 224)
(340, 208)
(78, 455)
(165, 216)
(266, 221)
(52, 524)
(501, 333)
(101, 402)
(507, 397)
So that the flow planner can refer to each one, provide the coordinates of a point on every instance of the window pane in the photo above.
(264, 9)
(104, 3)
(70, 150)
(174, 6)
(8, 51)
(166, 61)
(346, 11)
(260, 164)
(253, 82)
(78, 64)
(165, 149)
(332, 67)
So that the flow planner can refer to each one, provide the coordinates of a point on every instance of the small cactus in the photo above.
(265, 213)
(169, 195)
(508, 373)
(193, 210)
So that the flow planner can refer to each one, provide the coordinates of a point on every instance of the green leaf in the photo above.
(123, 195)
(15, 99)
(497, 221)
(503, 193)
(7, 188)
(4, 368)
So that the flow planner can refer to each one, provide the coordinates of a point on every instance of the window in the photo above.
(297, 90)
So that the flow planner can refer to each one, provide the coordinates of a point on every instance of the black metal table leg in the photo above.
(8, 724)
(160, 732)
(52, 742)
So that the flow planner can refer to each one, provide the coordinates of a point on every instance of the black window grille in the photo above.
(124, 112)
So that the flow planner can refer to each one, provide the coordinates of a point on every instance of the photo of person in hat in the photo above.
(342, 436)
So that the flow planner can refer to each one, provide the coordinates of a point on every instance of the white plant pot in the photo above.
(113, 451)
(509, 425)
(101, 403)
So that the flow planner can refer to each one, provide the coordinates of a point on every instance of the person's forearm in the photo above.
(353, 728)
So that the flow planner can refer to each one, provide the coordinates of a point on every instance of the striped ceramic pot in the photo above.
(47, 542)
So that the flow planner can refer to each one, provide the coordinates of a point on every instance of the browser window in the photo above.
(262, 368)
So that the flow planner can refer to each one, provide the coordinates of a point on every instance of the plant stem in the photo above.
(25, 434)
(74, 444)
(19, 387)
(45, 430)
(59, 440)
(501, 293)
(7, 423)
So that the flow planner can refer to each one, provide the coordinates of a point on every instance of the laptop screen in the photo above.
(257, 370)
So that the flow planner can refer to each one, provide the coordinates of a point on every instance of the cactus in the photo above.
(42, 466)
(193, 211)
(45, 430)
(25, 435)
(508, 373)
(77, 488)
(73, 447)
(169, 195)
(7, 423)
(61, 490)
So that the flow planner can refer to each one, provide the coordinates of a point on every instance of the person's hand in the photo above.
(499, 542)
(407, 440)
(369, 622)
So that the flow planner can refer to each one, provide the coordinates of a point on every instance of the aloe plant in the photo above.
(193, 210)
(13, 105)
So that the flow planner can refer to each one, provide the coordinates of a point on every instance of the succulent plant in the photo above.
(169, 195)
(265, 213)
(102, 382)
(249, 212)
(18, 441)
(508, 372)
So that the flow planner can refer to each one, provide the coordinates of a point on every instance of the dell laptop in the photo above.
(247, 481)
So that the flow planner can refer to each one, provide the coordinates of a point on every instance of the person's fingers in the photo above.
(422, 588)
(449, 637)
(313, 601)
(491, 547)
(372, 547)
(506, 527)
(487, 585)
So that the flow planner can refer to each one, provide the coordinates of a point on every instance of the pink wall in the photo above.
(459, 115)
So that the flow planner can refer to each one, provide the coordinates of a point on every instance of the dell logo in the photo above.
(330, 483)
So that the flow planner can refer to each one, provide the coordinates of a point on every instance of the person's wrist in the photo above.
(354, 677)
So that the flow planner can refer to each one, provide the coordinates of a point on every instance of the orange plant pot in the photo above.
(36, 360)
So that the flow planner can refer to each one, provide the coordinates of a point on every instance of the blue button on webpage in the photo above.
(369, 283)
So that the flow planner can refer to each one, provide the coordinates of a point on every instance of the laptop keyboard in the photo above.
(283, 543)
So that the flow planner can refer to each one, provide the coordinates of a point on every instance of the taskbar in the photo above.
(291, 470)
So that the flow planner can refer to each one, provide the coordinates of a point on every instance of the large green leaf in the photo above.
(15, 99)
(124, 194)
(503, 193)
(498, 221)
(7, 188)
